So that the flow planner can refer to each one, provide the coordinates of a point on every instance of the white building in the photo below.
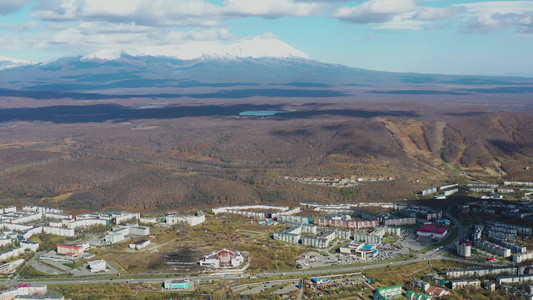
(84, 222)
(42, 209)
(148, 220)
(114, 237)
(140, 230)
(28, 233)
(140, 244)
(15, 227)
(11, 209)
(5, 242)
(197, 219)
(125, 216)
(520, 257)
(223, 258)
(464, 249)
(56, 224)
(59, 231)
(19, 250)
(27, 218)
(97, 265)
(59, 216)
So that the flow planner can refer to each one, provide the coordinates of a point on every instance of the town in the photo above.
(337, 248)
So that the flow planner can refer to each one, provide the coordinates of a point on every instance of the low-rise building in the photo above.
(478, 272)
(346, 223)
(24, 289)
(140, 244)
(416, 296)
(437, 291)
(114, 237)
(492, 248)
(389, 292)
(359, 250)
(139, 230)
(197, 219)
(520, 257)
(58, 231)
(432, 231)
(321, 241)
(97, 265)
(223, 258)
(70, 249)
(514, 279)
(39, 297)
(176, 284)
(456, 284)
(514, 247)
(294, 219)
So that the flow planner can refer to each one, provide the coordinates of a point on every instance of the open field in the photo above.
(184, 152)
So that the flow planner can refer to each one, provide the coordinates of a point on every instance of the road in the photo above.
(435, 255)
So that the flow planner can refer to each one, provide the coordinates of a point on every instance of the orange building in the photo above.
(70, 249)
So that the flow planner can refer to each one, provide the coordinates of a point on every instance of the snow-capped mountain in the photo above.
(255, 47)
(8, 62)
(256, 66)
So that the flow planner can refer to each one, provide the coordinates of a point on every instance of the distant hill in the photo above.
(157, 73)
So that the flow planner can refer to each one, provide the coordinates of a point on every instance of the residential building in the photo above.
(389, 292)
(464, 249)
(492, 248)
(456, 284)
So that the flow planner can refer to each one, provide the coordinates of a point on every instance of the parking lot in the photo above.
(314, 259)
(285, 287)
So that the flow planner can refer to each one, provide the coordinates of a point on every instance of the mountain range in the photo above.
(253, 63)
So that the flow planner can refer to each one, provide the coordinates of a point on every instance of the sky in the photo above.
(423, 36)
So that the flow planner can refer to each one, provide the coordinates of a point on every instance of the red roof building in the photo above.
(432, 231)
(437, 291)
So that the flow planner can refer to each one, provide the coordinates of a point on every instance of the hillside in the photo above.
(153, 133)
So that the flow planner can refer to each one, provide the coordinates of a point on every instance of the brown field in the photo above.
(199, 153)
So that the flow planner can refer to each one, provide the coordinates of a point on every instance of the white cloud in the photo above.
(503, 7)
(485, 16)
(399, 23)
(437, 13)
(271, 8)
(498, 15)
(19, 27)
(150, 13)
(374, 11)
(493, 22)
(171, 12)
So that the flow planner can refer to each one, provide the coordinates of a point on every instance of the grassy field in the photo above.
(233, 233)
(403, 274)
(121, 291)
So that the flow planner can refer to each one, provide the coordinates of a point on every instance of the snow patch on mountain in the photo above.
(9, 62)
(254, 47)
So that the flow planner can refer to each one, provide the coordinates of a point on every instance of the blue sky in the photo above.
(433, 36)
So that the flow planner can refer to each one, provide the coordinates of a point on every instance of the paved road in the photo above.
(434, 255)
